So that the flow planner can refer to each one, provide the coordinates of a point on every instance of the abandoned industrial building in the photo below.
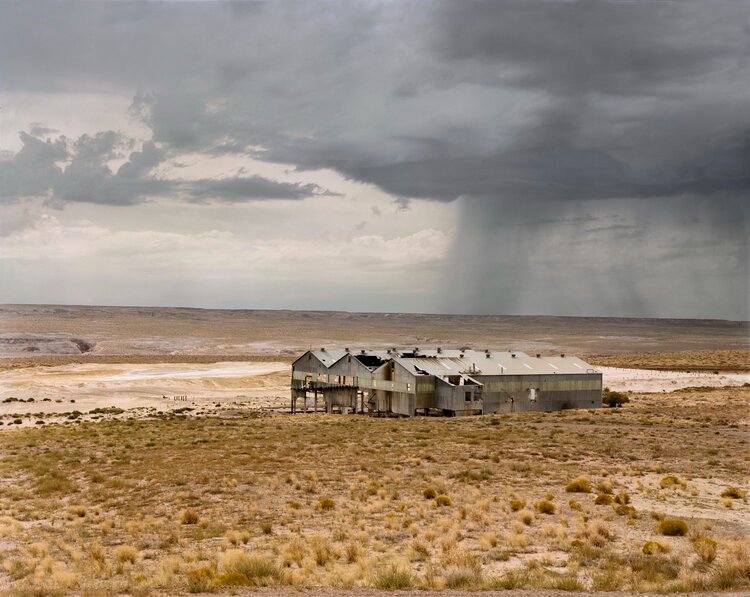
(440, 382)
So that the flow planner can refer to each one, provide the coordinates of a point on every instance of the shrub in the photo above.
(546, 507)
(463, 578)
(579, 485)
(705, 548)
(200, 580)
(673, 527)
(614, 399)
(574, 505)
(734, 492)
(126, 553)
(188, 516)
(326, 504)
(517, 504)
(604, 499)
(393, 577)
(429, 493)
(651, 548)
(266, 527)
(526, 516)
(260, 571)
(669, 482)
(232, 579)
(79, 511)
(443, 500)
(622, 498)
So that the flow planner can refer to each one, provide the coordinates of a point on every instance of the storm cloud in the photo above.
(598, 153)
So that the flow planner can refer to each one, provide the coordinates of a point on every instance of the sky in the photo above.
(515, 157)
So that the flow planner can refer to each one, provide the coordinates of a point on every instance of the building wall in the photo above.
(454, 397)
(529, 393)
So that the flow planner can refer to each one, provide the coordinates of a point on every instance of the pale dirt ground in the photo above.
(644, 380)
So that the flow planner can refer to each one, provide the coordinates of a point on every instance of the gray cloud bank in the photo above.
(631, 119)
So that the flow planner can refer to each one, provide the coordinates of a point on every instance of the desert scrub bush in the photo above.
(545, 507)
(673, 527)
(464, 578)
(705, 548)
(126, 553)
(429, 493)
(321, 548)
(517, 504)
(604, 499)
(188, 516)
(78, 511)
(651, 548)
(325, 503)
(200, 580)
(670, 482)
(734, 493)
(443, 500)
(393, 577)
(232, 579)
(260, 571)
(579, 485)
(266, 527)
(622, 498)
(614, 399)
(526, 517)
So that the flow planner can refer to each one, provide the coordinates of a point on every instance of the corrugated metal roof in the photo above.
(468, 362)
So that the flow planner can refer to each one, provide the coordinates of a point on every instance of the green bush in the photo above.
(614, 399)
(673, 527)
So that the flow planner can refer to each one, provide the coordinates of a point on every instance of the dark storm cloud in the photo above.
(531, 112)
(78, 171)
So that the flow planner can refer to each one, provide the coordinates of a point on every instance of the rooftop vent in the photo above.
(322, 349)
(538, 356)
(487, 353)
(346, 349)
(563, 355)
(513, 355)
(440, 350)
(362, 351)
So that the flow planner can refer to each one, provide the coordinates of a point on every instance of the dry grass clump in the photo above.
(517, 504)
(670, 482)
(200, 580)
(259, 571)
(126, 554)
(651, 548)
(188, 516)
(325, 504)
(579, 485)
(734, 493)
(393, 576)
(429, 493)
(705, 548)
(604, 499)
(443, 500)
(673, 527)
(545, 507)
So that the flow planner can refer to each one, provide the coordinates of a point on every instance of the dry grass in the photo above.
(705, 360)
(175, 505)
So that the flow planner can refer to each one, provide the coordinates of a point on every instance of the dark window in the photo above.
(468, 397)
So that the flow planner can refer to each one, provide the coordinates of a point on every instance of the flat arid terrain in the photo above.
(147, 451)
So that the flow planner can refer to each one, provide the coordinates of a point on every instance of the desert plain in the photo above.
(148, 451)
